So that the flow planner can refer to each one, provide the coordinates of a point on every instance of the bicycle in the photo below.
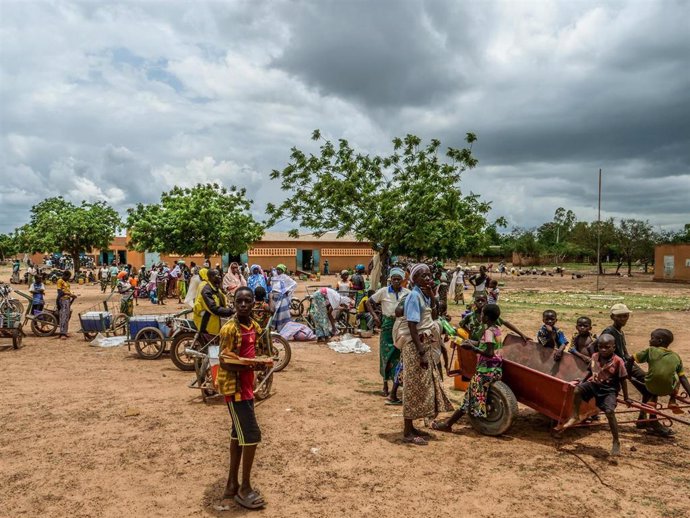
(7, 303)
(187, 337)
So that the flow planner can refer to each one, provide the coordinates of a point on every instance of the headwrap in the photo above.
(344, 272)
(360, 268)
(281, 267)
(414, 270)
(232, 281)
(396, 271)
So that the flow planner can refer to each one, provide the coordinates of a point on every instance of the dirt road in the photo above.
(99, 433)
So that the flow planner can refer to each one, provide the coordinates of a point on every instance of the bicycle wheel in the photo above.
(281, 352)
(16, 306)
(262, 389)
(149, 343)
(295, 307)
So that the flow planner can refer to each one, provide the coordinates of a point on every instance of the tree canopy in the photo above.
(7, 246)
(57, 225)
(206, 219)
(408, 202)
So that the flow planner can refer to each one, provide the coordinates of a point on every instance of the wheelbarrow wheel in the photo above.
(181, 342)
(17, 337)
(44, 324)
(149, 343)
(89, 335)
(281, 351)
(501, 409)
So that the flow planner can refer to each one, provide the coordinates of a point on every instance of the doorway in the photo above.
(307, 260)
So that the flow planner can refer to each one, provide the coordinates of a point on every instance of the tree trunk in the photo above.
(646, 265)
(383, 257)
(629, 267)
(76, 261)
(620, 263)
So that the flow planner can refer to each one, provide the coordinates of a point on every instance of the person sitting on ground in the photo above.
(607, 374)
(551, 336)
(664, 375)
(493, 292)
(211, 305)
(472, 321)
(489, 369)
(582, 345)
(38, 290)
(239, 339)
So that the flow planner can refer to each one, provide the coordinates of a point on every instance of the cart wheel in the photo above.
(149, 343)
(89, 335)
(17, 337)
(177, 354)
(120, 324)
(281, 352)
(501, 409)
(265, 389)
(44, 324)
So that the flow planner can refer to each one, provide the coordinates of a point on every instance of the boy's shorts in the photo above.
(604, 396)
(244, 426)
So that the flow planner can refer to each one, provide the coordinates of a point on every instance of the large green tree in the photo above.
(408, 202)
(206, 219)
(58, 225)
(636, 240)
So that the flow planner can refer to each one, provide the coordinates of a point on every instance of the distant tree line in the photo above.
(565, 239)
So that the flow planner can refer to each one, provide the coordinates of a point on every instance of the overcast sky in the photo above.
(119, 101)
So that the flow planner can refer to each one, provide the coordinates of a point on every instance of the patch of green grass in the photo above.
(592, 301)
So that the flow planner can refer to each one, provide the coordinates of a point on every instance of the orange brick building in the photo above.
(672, 263)
(306, 253)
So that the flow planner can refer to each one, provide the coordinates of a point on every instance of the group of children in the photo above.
(610, 366)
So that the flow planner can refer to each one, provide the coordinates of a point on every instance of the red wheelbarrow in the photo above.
(533, 378)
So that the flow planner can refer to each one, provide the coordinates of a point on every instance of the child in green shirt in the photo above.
(665, 372)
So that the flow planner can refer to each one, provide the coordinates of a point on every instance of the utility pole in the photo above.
(599, 234)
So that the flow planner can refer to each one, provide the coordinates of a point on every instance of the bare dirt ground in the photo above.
(69, 446)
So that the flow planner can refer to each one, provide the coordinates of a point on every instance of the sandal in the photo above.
(251, 501)
(395, 402)
(416, 440)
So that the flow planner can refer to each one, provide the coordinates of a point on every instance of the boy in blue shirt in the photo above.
(551, 336)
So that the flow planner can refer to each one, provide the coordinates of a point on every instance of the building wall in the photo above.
(340, 255)
(672, 263)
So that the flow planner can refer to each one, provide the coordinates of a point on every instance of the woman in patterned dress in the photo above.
(418, 334)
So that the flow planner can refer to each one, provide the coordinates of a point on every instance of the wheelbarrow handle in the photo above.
(653, 410)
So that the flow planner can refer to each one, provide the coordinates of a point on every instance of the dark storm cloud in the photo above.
(121, 101)
(383, 54)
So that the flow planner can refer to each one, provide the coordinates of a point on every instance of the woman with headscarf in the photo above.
(388, 298)
(282, 286)
(323, 302)
(257, 278)
(233, 279)
(418, 334)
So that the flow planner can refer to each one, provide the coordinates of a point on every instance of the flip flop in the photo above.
(395, 402)
(251, 501)
(416, 440)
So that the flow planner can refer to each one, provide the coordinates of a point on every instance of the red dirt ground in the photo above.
(331, 447)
